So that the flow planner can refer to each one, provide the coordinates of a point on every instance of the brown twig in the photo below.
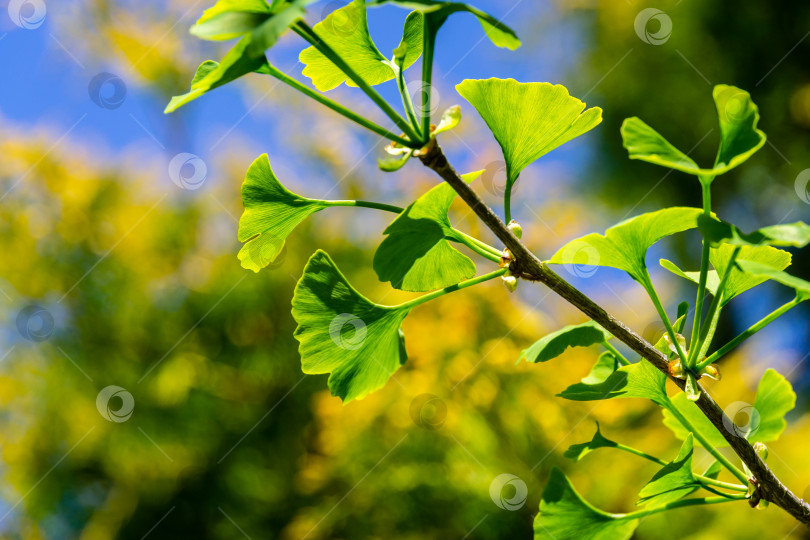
(527, 266)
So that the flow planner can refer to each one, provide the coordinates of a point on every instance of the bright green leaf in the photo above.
(801, 286)
(672, 482)
(624, 246)
(789, 234)
(416, 255)
(762, 422)
(554, 344)
(740, 138)
(345, 31)
(271, 214)
(436, 13)
(604, 367)
(211, 74)
(259, 24)
(341, 332)
(579, 451)
(528, 119)
(738, 281)
(640, 380)
(450, 119)
(565, 515)
(229, 19)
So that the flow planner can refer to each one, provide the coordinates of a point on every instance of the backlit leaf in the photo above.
(416, 255)
(740, 138)
(738, 281)
(258, 24)
(565, 515)
(789, 234)
(554, 344)
(345, 31)
(801, 286)
(624, 246)
(436, 13)
(341, 332)
(271, 213)
(764, 421)
(528, 119)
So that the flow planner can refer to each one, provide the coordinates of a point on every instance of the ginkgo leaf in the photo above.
(801, 286)
(788, 234)
(528, 119)
(212, 74)
(271, 213)
(341, 332)
(436, 13)
(624, 246)
(345, 31)
(416, 254)
(639, 380)
(764, 421)
(229, 19)
(450, 119)
(565, 515)
(738, 281)
(260, 26)
(674, 481)
(740, 138)
(579, 451)
(554, 344)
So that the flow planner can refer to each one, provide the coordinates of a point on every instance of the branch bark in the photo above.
(527, 266)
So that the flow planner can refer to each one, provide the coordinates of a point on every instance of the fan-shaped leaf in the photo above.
(738, 281)
(345, 31)
(436, 13)
(554, 344)
(528, 119)
(801, 286)
(672, 482)
(341, 332)
(271, 213)
(740, 138)
(565, 515)
(624, 246)
(789, 234)
(640, 380)
(260, 26)
(762, 422)
(416, 255)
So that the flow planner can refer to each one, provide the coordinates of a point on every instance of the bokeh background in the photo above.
(113, 274)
